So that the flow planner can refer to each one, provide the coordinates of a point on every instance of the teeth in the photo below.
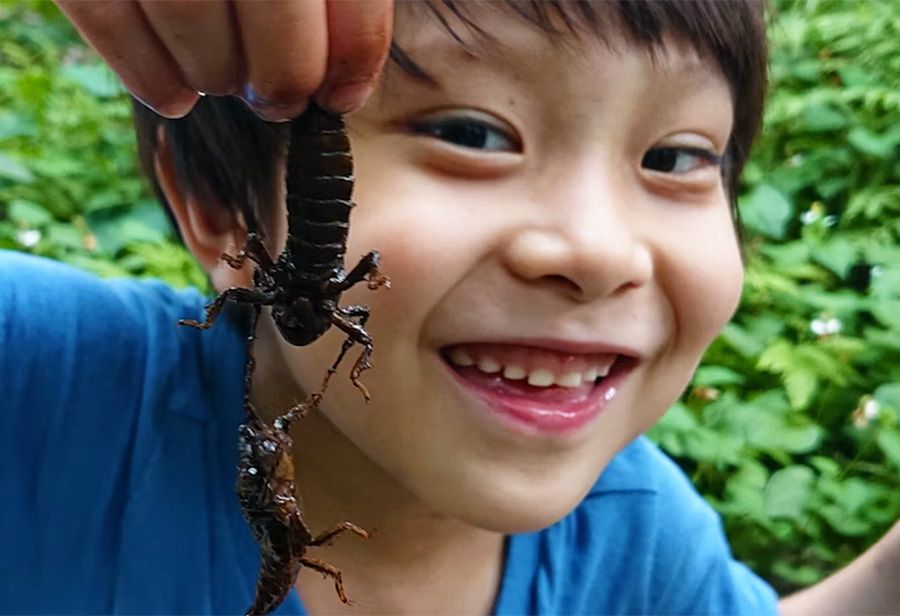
(461, 358)
(571, 379)
(514, 373)
(489, 365)
(541, 378)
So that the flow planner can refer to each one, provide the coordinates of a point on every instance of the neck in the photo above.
(416, 560)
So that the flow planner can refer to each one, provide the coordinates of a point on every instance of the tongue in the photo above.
(553, 394)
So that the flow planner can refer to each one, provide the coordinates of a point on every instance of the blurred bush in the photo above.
(790, 427)
(69, 185)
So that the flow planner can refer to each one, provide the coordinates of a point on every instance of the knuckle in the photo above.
(360, 56)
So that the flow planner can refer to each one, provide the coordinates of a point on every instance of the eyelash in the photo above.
(465, 128)
(706, 158)
(443, 128)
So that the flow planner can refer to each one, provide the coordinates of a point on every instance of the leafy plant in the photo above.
(69, 186)
(790, 427)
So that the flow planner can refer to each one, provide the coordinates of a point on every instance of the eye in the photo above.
(679, 160)
(467, 132)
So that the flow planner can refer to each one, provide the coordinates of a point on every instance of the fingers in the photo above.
(275, 54)
(285, 46)
(359, 37)
(202, 39)
(121, 34)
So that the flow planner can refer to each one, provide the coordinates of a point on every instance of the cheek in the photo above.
(704, 285)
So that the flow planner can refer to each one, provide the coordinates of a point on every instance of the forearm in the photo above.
(868, 585)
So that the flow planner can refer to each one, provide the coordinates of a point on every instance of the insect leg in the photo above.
(251, 361)
(355, 334)
(366, 269)
(237, 294)
(328, 571)
(328, 535)
(254, 250)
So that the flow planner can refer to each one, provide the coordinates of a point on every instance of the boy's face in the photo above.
(548, 208)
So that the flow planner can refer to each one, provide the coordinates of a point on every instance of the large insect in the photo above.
(266, 492)
(302, 287)
(304, 284)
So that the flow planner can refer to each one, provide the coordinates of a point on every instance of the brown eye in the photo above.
(679, 160)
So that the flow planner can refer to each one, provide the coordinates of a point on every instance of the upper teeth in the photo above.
(539, 377)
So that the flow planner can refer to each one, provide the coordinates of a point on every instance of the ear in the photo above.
(207, 238)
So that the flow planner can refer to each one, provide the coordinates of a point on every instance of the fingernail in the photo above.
(269, 111)
(349, 97)
(175, 107)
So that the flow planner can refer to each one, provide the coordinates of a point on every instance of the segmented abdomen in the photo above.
(319, 185)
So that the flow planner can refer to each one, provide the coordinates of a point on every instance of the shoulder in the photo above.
(95, 380)
(643, 540)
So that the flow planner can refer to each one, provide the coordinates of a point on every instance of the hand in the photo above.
(274, 54)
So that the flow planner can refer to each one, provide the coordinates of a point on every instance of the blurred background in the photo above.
(791, 427)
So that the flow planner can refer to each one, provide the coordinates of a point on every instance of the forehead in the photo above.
(491, 39)
(494, 35)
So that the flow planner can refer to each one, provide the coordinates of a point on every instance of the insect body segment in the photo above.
(303, 286)
(265, 489)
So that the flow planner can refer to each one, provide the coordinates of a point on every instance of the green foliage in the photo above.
(69, 186)
(790, 427)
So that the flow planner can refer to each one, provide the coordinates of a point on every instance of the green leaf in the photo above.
(889, 443)
(838, 254)
(28, 213)
(716, 376)
(767, 211)
(888, 395)
(97, 79)
(867, 142)
(14, 170)
(822, 118)
(788, 492)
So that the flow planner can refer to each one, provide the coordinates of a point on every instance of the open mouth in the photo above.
(544, 389)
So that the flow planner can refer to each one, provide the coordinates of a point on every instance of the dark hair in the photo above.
(228, 158)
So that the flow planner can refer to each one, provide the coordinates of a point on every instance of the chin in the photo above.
(522, 504)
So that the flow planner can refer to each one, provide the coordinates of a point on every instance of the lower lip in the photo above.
(557, 417)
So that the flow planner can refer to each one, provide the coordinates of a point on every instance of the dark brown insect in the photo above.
(265, 489)
(302, 287)
(304, 284)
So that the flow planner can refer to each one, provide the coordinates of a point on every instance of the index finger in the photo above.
(359, 37)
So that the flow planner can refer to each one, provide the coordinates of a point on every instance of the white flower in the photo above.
(871, 409)
(825, 327)
(28, 237)
(877, 271)
(810, 216)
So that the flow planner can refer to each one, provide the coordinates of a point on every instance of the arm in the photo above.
(868, 585)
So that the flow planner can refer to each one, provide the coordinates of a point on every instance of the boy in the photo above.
(549, 186)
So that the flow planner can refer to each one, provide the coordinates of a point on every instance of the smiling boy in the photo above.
(550, 188)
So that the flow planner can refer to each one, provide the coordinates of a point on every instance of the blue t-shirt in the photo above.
(118, 461)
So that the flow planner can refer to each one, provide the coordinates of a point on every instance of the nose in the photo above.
(585, 242)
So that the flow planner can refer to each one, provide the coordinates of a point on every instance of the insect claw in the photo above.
(375, 281)
(362, 388)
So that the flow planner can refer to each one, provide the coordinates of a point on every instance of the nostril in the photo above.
(561, 283)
